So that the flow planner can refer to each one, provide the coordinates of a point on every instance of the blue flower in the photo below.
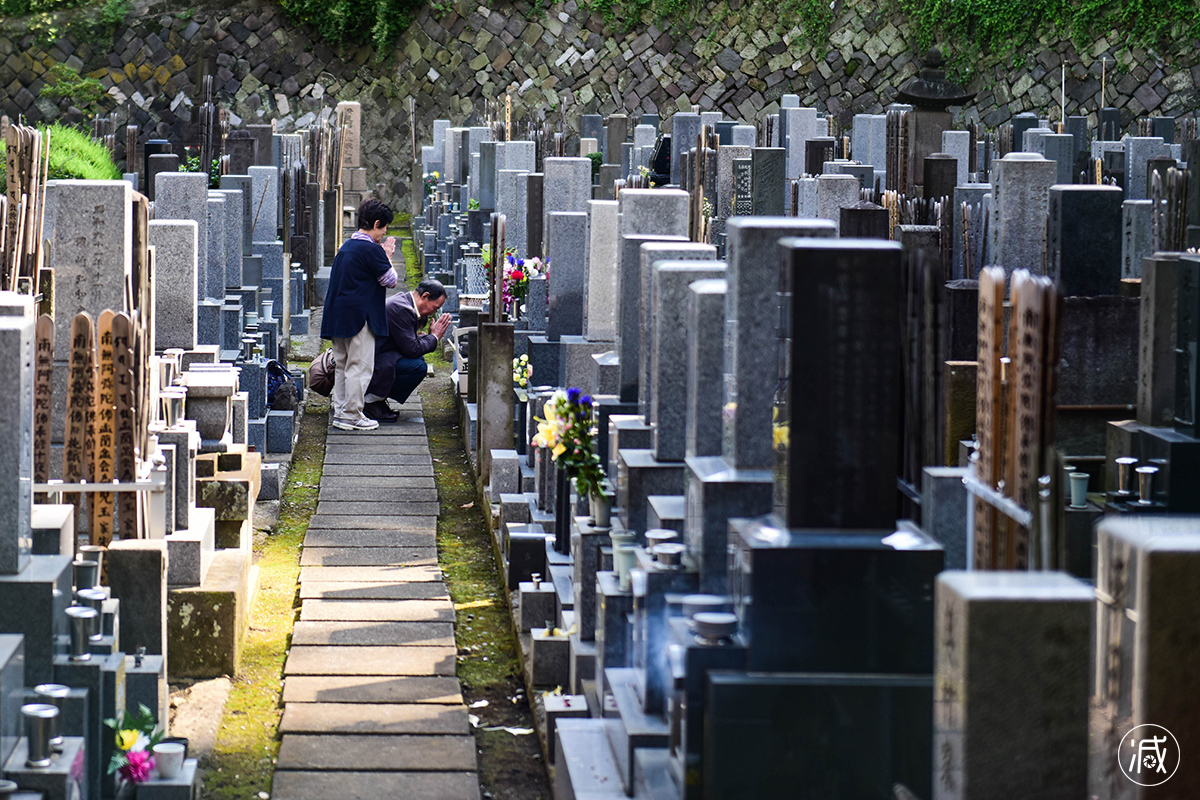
(573, 395)
(586, 400)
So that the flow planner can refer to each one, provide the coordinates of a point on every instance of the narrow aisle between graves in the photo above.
(372, 707)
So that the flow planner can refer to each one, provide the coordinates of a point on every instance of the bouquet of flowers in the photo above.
(136, 735)
(517, 272)
(568, 430)
(522, 371)
(431, 182)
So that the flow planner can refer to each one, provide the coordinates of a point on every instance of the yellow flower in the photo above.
(559, 449)
(781, 435)
(126, 739)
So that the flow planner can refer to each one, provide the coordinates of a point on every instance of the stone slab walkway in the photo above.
(372, 710)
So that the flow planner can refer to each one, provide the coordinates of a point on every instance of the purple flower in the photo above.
(573, 395)
(586, 400)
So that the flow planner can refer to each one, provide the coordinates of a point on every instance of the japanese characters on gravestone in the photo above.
(124, 410)
(104, 453)
(42, 400)
(77, 437)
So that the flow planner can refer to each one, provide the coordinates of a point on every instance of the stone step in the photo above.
(380, 574)
(379, 470)
(381, 482)
(374, 718)
(397, 753)
(307, 785)
(378, 493)
(419, 456)
(345, 590)
(384, 433)
(414, 436)
(367, 556)
(403, 522)
(365, 508)
(396, 537)
(367, 660)
(440, 634)
(378, 610)
(371, 689)
(398, 446)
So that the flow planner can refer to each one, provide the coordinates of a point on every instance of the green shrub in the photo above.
(597, 159)
(351, 21)
(73, 154)
(84, 93)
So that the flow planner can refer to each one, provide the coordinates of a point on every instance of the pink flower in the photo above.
(138, 764)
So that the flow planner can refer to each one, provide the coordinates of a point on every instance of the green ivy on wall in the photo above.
(351, 21)
(1011, 28)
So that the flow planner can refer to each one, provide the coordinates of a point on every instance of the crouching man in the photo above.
(400, 356)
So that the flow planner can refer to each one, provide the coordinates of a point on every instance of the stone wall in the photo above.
(560, 64)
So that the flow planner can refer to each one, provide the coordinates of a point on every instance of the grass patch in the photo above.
(510, 767)
(489, 666)
(242, 762)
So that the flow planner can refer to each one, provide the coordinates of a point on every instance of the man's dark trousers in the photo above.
(409, 374)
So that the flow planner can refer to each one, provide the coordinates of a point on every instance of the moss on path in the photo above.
(241, 764)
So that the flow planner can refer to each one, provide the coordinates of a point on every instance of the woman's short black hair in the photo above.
(373, 211)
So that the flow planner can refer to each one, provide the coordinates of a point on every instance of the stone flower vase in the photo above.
(601, 510)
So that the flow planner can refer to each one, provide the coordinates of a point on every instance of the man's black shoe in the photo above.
(380, 412)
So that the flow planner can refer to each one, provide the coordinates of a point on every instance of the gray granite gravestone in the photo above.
(214, 273)
(235, 209)
(1037, 625)
(243, 184)
(566, 186)
(566, 244)
(669, 398)
(16, 432)
(650, 254)
(684, 129)
(726, 184)
(510, 201)
(1020, 205)
(265, 202)
(704, 326)
(600, 290)
(175, 271)
(93, 246)
(750, 313)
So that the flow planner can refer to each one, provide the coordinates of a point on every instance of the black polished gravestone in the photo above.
(533, 215)
(865, 220)
(842, 601)
(1084, 243)
(829, 736)
(242, 148)
(940, 176)
(838, 426)
(817, 151)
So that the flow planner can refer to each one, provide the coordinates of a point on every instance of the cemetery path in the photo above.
(372, 707)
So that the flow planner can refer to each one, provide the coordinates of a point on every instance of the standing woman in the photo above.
(354, 311)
